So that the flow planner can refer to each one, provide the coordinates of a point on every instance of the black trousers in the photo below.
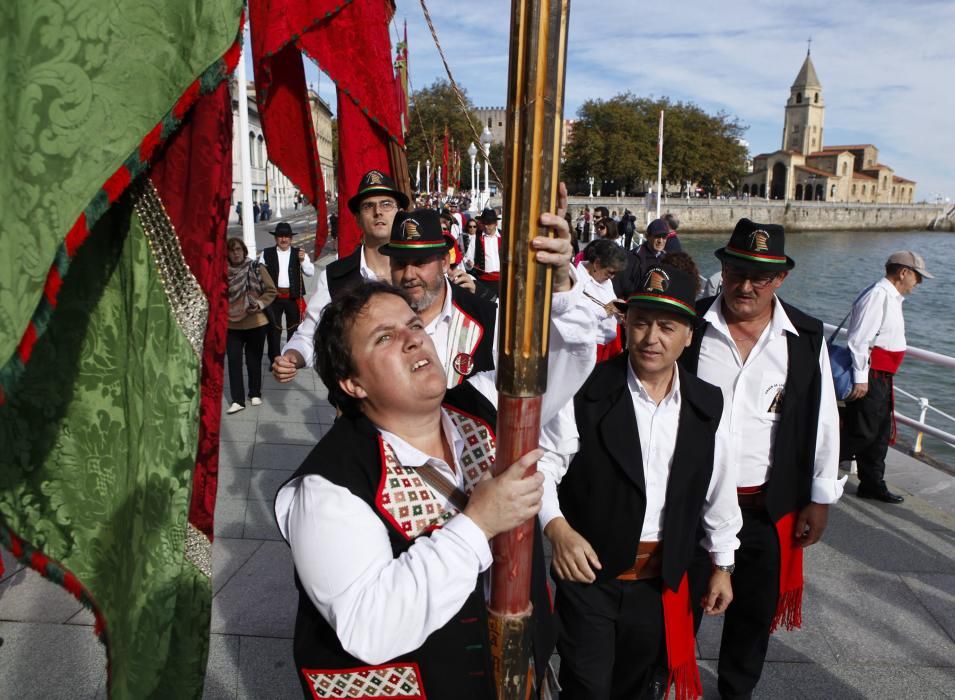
(866, 430)
(249, 342)
(747, 620)
(611, 639)
(277, 309)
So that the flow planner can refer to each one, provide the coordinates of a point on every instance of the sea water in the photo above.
(832, 268)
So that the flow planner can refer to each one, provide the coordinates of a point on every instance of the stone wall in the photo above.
(703, 216)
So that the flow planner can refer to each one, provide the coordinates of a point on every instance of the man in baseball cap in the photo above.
(877, 343)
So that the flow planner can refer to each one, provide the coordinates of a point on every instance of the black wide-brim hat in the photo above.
(283, 229)
(417, 234)
(757, 247)
(488, 216)
(375, 182)
(664, 288)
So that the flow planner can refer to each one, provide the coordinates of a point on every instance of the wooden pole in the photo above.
(538, 57)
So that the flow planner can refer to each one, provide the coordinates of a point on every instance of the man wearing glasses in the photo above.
(374, 206)
(779, 405)
(877, 343)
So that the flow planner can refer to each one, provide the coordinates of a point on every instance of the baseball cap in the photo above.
(910, 259)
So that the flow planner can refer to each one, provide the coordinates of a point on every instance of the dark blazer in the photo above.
(603, 495)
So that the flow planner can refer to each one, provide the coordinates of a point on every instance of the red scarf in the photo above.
(681, 643)
(789, 606)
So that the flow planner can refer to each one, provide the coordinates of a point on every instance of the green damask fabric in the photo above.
(83, 83)
(96, 456)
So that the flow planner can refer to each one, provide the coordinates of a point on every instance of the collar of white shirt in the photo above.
(410, 456)
(778, 325)
(445, 310)
(366, 272)
(890, 289)
(637, 389)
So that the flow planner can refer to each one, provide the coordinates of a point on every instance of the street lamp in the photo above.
(472, 151)
(486, 147)
(427, 176)
(590, 181)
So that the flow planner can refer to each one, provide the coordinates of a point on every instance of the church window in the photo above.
(816, 98)
(798, 98)
(853, 189)
(893, 191)
(489, 122)
(814, 142)
(845, 167)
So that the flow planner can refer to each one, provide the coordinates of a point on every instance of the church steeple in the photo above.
(805, 110)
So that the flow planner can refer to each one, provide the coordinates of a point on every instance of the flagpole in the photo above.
(537, 64)
(245, 155)
(660, 164)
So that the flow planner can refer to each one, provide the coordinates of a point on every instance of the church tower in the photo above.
(802, 128)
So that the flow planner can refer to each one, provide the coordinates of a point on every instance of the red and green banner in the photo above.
(112, 323)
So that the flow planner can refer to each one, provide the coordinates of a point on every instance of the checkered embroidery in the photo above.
(479, 452)
(354, 684)
(409, 500)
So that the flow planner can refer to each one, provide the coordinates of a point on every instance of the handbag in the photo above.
(840, 362)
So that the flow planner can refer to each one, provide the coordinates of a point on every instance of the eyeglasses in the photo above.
(474, 226)
(385, 206)
(732, 275)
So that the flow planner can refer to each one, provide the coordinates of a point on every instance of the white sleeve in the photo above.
(864, 325)
(826, 484)
(380, 606)
(303, 341)
(561, 441)
(722, 517)
(308, 267)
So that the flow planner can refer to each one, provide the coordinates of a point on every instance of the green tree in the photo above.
(432, 109)
(615, 142)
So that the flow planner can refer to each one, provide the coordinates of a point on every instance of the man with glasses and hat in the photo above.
(623, 523)
(877, 344)
(461, 325)
(374, 206)
(779, 406)
(286, 265)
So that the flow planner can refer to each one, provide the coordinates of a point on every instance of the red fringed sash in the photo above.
(681, 643)
(789, 606)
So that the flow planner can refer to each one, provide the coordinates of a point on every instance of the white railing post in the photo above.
(917, 447)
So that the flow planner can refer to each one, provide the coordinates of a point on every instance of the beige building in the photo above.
(268, 182)
(806, 169)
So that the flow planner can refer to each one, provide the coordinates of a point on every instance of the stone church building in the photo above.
(806, 169)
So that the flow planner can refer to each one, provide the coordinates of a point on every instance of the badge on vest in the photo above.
(463, 363)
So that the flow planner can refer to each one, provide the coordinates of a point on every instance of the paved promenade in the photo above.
(879, 611)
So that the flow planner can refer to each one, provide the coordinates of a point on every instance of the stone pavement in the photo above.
(879, 612)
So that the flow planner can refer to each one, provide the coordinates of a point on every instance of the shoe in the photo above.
(885, 495)
(235, 408)
(256, 401)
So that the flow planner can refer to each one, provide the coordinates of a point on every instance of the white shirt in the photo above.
(602, 292)
(304, 339)
(440, 332)
(308, 269)
(752, 400)
(492, 251)
(876, 321)
(381, 606)
(657, 427)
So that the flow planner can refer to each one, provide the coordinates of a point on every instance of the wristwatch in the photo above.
(728, 568)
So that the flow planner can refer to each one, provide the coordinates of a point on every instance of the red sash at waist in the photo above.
(882, 360)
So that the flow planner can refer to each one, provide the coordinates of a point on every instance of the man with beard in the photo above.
(779, 404)
(374, 206)
(461, 324)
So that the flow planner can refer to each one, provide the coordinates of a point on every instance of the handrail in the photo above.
(911, 351)
(947, 438)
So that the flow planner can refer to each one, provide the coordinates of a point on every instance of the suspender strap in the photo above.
(452, 494)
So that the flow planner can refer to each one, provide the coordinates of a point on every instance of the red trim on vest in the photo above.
(789, 605)
(681, 642)
(882, 360)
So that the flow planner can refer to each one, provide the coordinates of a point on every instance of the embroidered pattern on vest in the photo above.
(464, 336)
(393, 681)
(410, 503)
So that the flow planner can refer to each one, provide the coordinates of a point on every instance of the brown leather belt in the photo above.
(752, 497)
(648, 564)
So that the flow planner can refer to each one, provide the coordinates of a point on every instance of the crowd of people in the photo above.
(688, 454)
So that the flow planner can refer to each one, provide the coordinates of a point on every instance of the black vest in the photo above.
(296, 288)
(794, 448)
(485, 313)
(344, 273)
(603, 495)
(479, 257)
(455, 660)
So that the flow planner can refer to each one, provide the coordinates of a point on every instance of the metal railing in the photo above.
(920, 426)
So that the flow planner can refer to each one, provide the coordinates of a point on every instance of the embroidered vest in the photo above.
(454, 661)
(271, 256)
(794, 446)
(471, 336)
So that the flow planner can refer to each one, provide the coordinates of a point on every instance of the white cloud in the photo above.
(885, 67)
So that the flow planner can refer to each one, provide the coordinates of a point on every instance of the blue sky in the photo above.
(886, 67)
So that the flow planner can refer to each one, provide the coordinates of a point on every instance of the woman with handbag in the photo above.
(251, 290)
